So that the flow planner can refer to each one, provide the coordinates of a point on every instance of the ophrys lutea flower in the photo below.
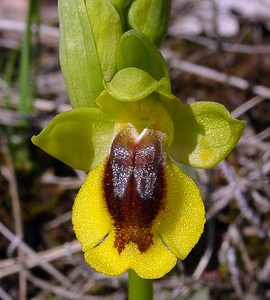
(136, 209)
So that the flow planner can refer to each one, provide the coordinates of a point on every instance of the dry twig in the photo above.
(11, 265)
(234, 81)
(59, 291)
(16, 211)
(31, 253)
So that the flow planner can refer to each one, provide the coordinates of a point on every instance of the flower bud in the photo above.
(151, 17)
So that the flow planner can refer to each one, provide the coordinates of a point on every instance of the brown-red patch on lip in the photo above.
(134, 185)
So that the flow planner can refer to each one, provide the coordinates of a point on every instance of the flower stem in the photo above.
(139, 288)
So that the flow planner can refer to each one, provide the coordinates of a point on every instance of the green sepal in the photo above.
(171, 102)
(81, 138)
(132, 84)
(78, 54)
(136, 50)
(151, 17)
(145, 113)
(107, 30)
(205, 133)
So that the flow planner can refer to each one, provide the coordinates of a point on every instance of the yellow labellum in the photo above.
(176, 229)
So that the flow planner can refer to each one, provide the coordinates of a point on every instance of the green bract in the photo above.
(79, 58)
(107, 30)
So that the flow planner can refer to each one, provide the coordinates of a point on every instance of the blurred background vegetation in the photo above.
(215, 50)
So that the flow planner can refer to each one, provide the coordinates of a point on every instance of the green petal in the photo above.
(78, 54)
(132, 84)
(107, 30)
(146, 113)
(151, 17)
(136, 50)
(81, 138)
(205, 133)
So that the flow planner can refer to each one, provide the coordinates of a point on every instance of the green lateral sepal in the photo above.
(204, 134)
(81, 138)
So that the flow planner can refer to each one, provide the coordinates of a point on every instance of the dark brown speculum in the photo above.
(135, 185)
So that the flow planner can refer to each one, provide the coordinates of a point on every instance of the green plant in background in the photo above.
(136, 209)
(25, 79)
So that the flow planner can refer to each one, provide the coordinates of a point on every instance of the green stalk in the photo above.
(8, 75)
(26, 86)
(139, 288)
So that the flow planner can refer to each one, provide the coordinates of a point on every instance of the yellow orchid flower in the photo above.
(137, 210)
